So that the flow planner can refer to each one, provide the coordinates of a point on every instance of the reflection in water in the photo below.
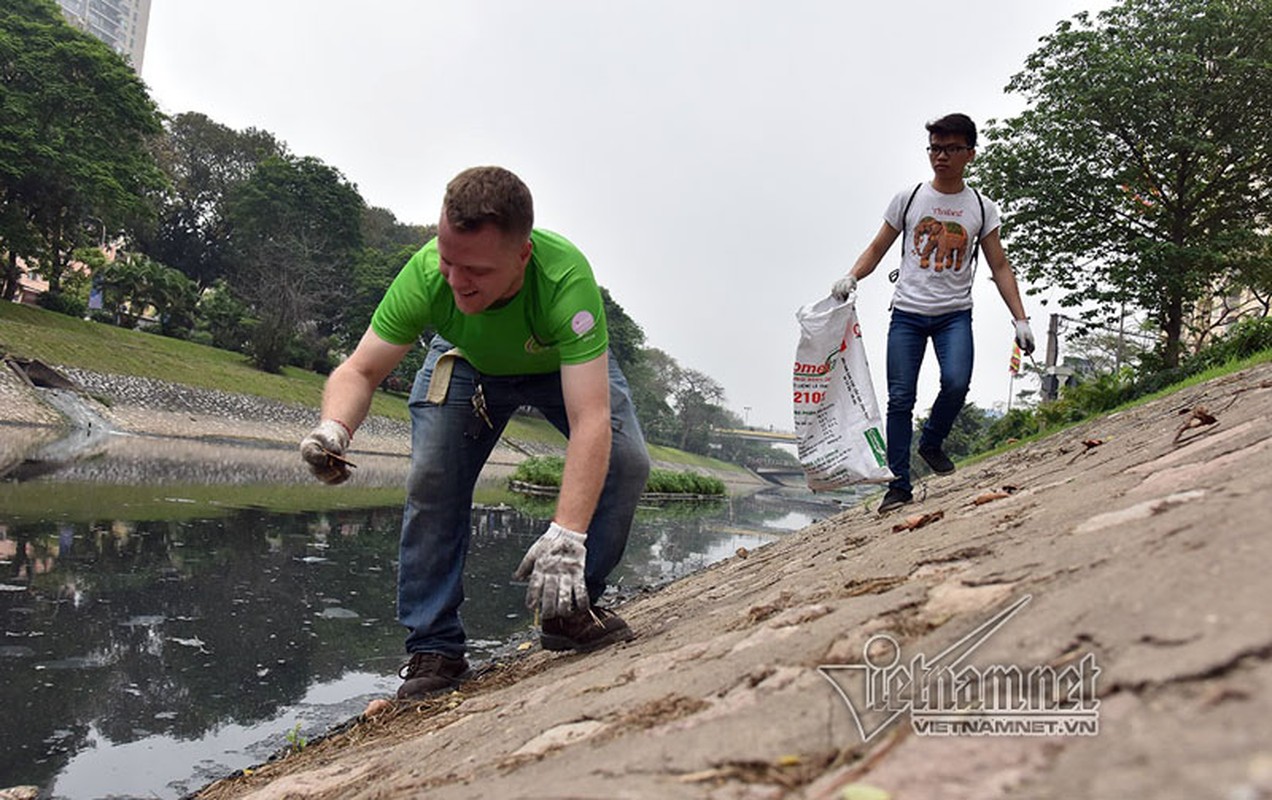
(148, 658)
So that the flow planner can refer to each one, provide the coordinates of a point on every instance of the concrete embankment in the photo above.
(1133, 550)
(170, 432)
(179, 433)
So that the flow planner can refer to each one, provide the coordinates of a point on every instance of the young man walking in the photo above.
(520, 322)
(943, 223)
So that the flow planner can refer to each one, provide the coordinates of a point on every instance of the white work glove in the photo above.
(554, 565)
(323, 450)
(844, 287)
(1024, 335)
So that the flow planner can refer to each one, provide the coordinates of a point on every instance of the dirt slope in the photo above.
(1147, 553)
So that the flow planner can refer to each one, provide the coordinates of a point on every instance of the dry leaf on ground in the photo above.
(917, 521)
(1198, 417)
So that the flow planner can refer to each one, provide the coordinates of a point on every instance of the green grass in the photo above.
(1194, 380)
(674, 456)
(29, 332)
(533, 429)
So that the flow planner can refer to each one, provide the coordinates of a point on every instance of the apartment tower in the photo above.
(121, 24)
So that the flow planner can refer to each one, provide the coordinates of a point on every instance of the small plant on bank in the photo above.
(295, 741)
(547, 470)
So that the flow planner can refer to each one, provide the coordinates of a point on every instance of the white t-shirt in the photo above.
(936, 270)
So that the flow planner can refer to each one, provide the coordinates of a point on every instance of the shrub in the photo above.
(1247, 337)
(547, 470)
(540, 471)
(1105, 392)
(63, 303)
(665, 481)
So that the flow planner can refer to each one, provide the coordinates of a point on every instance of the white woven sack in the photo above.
(837, 417)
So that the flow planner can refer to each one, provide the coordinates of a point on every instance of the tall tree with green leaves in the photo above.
(626, 337)
(698, 398)
(382, 230)
(295, 230)
(203, 161)
(1141, 171)
(387, 245)
(653, 379)
(74, 125)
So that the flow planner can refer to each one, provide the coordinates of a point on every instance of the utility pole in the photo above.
(1050, 381)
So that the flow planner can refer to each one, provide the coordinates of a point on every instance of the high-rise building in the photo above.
(119, 23)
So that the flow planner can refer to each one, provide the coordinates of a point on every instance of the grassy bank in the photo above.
(1220, 371)
(58, 339)
(29, 332)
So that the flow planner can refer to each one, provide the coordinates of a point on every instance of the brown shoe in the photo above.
(429, 673)
(585, 630)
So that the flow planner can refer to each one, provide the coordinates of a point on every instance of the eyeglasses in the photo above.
(952, 149)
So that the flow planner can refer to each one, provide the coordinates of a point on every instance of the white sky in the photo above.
(720, 163)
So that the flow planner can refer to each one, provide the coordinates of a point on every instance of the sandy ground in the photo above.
(1142, 551)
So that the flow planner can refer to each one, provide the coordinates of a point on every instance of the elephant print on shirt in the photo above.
(947, 239)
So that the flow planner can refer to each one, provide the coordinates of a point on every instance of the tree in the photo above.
(1141, 173)
(295, 226)
(204, 162)
(134, 284)
(626, 337)
(652, 381)
(382, 231)
(387, 246)
(371, 272)
(222, 320)
(74, 122)
(697, 397)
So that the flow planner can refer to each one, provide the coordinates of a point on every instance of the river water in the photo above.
(146, 658)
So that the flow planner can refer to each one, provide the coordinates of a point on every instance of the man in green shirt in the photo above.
(519, 321)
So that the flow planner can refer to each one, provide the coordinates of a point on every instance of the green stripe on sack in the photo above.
(876, 445)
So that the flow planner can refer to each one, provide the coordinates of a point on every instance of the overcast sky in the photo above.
(720, 163)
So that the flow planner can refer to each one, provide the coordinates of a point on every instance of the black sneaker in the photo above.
(585, 630)
(895, 498)
(429, 673)
(937, 460)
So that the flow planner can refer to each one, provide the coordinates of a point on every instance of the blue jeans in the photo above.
(449, 446)
(951, 336)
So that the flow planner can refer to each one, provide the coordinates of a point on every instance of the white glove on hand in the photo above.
(844, 287)
(554, 565)
(1024, 335)
(323, 450)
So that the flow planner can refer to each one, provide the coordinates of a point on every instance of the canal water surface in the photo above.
(147, 658)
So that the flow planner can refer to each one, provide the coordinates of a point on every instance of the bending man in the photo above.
(519, 321)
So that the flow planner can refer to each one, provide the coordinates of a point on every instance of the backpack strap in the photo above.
(896, 273)
(976, 242)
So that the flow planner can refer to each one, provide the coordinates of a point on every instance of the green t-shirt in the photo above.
(557, 317)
